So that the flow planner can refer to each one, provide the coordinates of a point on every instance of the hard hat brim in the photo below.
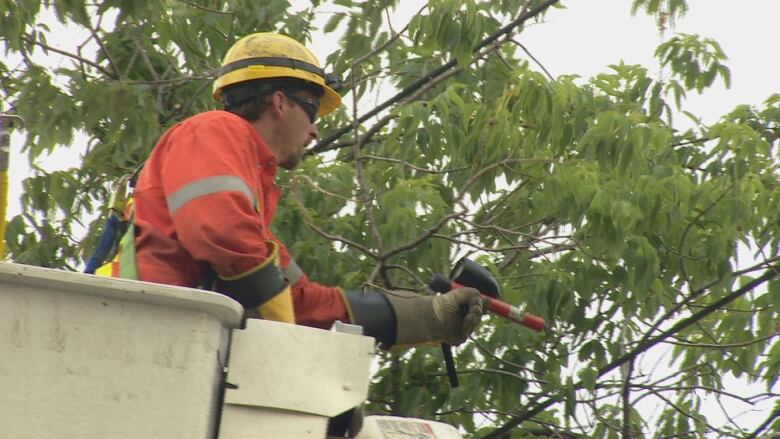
(329, 101)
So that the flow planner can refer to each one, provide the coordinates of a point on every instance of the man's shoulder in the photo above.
(210, 124)
(215, 117)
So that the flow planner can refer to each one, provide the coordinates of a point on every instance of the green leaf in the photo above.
(333, 23)
(588, 378)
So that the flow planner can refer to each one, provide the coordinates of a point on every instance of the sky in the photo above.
(584, 39)
(589, 35)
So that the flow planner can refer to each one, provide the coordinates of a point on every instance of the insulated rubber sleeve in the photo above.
(373, 312)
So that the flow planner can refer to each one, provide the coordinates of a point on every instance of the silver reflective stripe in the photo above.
(208, 186)
(293, 272)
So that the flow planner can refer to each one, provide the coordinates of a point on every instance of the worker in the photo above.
(205, 200)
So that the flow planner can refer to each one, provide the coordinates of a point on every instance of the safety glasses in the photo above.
(310, 106)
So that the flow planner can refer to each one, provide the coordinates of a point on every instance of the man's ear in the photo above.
(276, 103)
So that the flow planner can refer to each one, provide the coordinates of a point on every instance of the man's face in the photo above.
(299, 128)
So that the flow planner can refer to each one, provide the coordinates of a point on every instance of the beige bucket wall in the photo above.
(87, 357)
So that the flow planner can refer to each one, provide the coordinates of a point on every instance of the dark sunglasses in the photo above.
(310, 106)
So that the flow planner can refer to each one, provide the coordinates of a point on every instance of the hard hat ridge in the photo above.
(269, 56)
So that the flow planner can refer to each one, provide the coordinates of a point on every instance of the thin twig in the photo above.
(445, 219)
(149, 67)
(185, 109)
(80, 59)
(727, 415)
(203, 8)
(310, 222)
(94, 31)
(690, 226)
(764, 425)
(362, 186)
(483, 370)
(408, 272)
(311, 183)
(687, 301)
(410, 166)
(722, 346)
(687, 414)
(481, 247)
(489, 353)
(394, 37)
(530, 55)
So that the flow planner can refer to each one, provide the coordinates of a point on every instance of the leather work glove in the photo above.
(449, 317)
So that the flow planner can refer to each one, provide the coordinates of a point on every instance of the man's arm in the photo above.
(394, 318)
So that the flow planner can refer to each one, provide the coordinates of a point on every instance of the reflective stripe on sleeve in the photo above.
(292, 272)
(208, 186)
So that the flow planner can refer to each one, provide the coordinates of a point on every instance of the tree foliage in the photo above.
(626, 233)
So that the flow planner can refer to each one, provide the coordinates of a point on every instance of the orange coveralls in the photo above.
(205, 201)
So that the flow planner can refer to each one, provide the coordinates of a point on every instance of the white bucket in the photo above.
(88, 357)
(290, 379)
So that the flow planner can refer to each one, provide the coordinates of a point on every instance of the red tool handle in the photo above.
(514, 314)
(511, 312)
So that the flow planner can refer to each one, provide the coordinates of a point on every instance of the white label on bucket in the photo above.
(404, 429)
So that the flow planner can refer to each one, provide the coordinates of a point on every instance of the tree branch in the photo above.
(626, 395)
(94, 32)
(311, 183)
(687, 301)
(771, 273)
(687, 414)
(676, 387)
(679, 326)
(411, 89)
(388, 117)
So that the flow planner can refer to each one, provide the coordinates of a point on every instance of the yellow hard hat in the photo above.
(266, 55)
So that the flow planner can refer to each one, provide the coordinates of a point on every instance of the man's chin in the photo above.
(292, 164)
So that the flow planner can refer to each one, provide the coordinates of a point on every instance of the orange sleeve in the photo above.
(318, 305)
(315, 305)
(223, 227)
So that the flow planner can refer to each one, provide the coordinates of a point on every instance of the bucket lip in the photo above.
(67, 282)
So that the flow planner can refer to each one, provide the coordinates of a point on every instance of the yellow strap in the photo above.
(108, 269)
(279, 308)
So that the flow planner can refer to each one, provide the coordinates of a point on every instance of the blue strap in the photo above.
(105, 245)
